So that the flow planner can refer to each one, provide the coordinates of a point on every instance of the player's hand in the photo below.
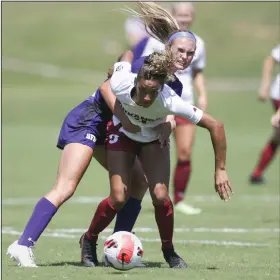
(222, 184)
(263, 94)
(164, 130)
(202, 103)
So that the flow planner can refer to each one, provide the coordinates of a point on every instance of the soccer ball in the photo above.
(123, 250)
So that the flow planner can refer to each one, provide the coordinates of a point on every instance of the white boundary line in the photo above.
(46, 70)
(97, 199)
(11, 231)
(178, 230)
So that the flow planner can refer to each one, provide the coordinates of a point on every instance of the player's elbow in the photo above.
(217, 125)
(211, 123)
(104, 88)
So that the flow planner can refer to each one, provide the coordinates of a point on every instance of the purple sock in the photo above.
(128, 215)
(41, 216)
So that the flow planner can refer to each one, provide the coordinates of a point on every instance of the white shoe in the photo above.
(105, 262)
(186, 209)
(21, 254)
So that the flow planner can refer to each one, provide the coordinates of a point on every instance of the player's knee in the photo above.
(160, 194)
(184, 154)
(118, 200)
(63, 190)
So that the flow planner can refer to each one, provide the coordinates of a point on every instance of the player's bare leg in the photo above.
(156, 165)
(74, 161)
(119, 167)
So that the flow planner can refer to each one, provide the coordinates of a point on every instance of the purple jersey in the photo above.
(139, 48)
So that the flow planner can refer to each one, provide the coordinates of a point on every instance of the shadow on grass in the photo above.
(71, 263)
(62, 264)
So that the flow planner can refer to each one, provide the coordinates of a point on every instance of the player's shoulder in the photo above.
(122, 66)
(122, 77)
(169, 98)
(168, 94)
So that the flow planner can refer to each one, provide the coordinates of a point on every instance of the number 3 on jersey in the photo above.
(113, 138)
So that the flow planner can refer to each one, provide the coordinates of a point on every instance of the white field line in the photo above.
(85, 75)
(97, 199)
(11, 231)
(179, 230)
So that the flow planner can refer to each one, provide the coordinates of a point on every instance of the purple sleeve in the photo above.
(137, 64)
(139, 48)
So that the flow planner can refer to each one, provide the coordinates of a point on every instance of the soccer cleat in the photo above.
(23, 255)
(88, 252)
(186, 209)
(173, 259)
(256, 180)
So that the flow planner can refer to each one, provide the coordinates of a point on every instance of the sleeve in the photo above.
(182, 109)
(121, 79)
(275, 53)
(153, 45)
(200, 56)
(137, 64)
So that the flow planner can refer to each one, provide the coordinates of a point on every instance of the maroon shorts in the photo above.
(276, 104)
(118, 141)
(180, 120)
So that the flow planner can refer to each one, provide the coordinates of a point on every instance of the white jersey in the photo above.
(185, 76)
(166, 103)
(275, 87)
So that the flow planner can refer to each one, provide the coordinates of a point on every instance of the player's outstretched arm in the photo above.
(217, 132)
(218, 138)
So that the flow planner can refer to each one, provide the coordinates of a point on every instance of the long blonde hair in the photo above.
(159, 23)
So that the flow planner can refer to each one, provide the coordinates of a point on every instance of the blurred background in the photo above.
(54, 55)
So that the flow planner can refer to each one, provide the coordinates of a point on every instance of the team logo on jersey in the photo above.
(139, 118)
(91, 137)
(194, 109)
(119, 68)
(113, 138)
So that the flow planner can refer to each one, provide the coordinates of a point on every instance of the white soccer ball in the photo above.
(123, 250)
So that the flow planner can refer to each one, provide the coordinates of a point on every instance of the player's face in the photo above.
(183, 50)
(184, 16)
(147, 92)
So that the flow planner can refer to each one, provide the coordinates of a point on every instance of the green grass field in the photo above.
(234, 240)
